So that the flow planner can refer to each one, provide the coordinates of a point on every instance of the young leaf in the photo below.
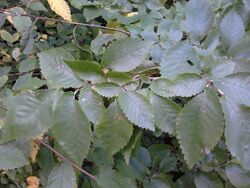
(57, 73)
(165, 111)
(11, 157)
(108, 178)
(236, 87)
(62, 176)
(91, 104)
(185, 85)
(113, 130)
(87, 70)
(232, 28)
(137, 109)
(61, 8)
(71, 128)
(237, 118)
(237, 176)
(199, 18)
(200, 126)
(126, 54)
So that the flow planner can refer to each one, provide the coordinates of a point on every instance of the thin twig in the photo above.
(39, 141)
(75, 39)
(8, 12)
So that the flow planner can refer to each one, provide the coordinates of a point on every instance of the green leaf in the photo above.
(237, 176)
(91, 13)
(120, 78)
(113, 130)
(185, 85)
(236, 87)
(37, 6)
(159, 181)
(165, 111)
(3, 80)
(27, 82)
(126, 54)
(11, 157)
(71, 128)
(5, 35)
(99, 43)
(80, 3)
(27, 117)
(225, 68)
(200, 126)
(205, 180)
(232, 28)
(57, 73)
(137, 109)
(237, 132)
(62, 176)
(107, 89)
(87, 70)
(240, 50)
(174, 61)
(91, 104)
(199, 18)
(28, 64)
(108, 178)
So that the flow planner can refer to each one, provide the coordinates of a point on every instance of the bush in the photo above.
(125, 94)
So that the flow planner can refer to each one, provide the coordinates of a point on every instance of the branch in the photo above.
(39, 141)
(8, 12)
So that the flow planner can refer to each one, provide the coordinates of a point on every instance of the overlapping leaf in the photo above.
(137, 109)
(57, 73)
(200, 126)
(113, 130)
(91, 104)
(126, 54)
(185, 85)
(71, 128)
(237, 132)
(62, 176)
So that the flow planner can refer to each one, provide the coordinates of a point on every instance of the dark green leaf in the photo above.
(109, 178)
(91, 104)
(113, 130)
(205, 180)
(165, 112)
(71, 128)
(87, 70)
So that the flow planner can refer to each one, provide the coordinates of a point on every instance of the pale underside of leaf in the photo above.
(61, 8)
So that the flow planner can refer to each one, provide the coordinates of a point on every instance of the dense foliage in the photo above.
(158, 99)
